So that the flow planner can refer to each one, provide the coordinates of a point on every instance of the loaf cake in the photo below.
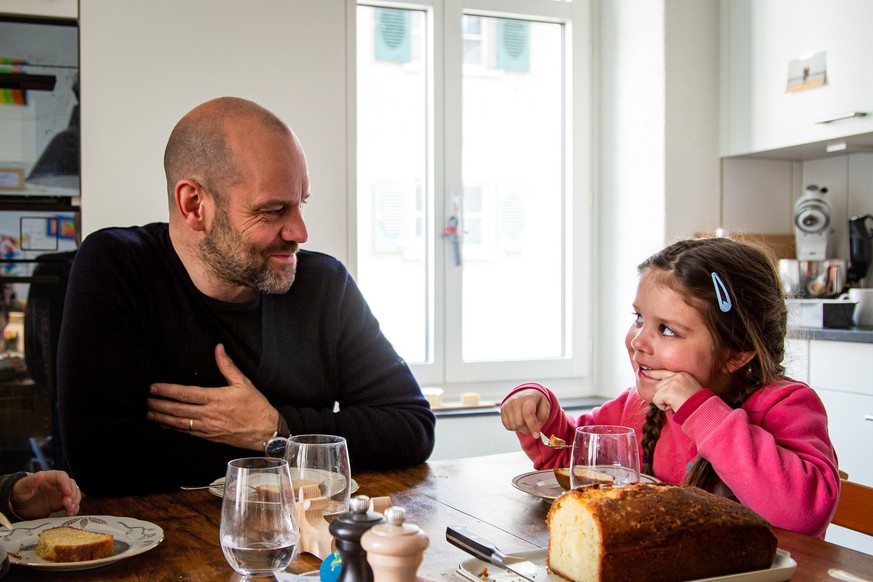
(654, 531)
(562, 476)
(70, 544)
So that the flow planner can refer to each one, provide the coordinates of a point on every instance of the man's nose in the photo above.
(294, 228)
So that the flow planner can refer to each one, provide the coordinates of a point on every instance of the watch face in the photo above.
(275, 447)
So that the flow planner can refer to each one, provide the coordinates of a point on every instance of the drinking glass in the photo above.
(323, 460)
(259, 530)
(605, 455)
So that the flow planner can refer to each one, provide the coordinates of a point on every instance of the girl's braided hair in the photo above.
(755, 322)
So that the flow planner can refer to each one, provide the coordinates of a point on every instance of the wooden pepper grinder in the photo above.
(395, 549)
(347, 530)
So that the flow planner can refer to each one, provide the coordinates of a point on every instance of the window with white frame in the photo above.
(472, 211)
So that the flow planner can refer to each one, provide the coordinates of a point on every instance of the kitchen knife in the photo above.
(488, 552)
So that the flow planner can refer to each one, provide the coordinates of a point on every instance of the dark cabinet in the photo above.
(39, 226)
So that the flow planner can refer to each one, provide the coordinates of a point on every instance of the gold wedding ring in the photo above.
(190, 424)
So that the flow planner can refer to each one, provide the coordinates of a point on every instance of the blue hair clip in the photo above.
(724, 300)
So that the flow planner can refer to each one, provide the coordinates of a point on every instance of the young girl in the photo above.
(711, 406)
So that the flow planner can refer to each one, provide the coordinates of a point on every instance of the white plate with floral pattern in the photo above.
(129, 538)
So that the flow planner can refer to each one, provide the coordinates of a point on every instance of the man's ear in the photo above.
(190, 203)
(737, 360)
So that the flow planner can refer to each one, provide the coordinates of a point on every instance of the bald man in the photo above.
(190, 343)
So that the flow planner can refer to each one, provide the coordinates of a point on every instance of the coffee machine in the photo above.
(860, 235)
(813, 274)
(812, 224)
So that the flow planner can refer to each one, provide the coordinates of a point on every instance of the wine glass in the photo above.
(604, 455)
(323, 460)
(259, 530)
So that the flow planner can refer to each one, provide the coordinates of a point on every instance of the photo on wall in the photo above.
(807, 72)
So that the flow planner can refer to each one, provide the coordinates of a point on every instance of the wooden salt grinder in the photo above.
(394, 549)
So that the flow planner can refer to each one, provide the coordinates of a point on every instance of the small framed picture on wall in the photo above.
(807, 72)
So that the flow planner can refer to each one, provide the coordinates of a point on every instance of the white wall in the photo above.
(768, 186)
(692, 171)
(145, 64)
(657, 149)
(631, 160)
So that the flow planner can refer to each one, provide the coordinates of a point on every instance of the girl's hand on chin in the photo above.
(673, 389)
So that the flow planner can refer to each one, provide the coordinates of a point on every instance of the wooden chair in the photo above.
(855, 507)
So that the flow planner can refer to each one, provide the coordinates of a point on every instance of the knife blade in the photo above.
(488, 552)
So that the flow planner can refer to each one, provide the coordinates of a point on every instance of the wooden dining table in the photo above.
(476, 493)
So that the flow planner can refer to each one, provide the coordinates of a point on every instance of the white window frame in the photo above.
(570, 376)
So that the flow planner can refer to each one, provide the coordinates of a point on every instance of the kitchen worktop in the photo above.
(492, 408)
(851, 334)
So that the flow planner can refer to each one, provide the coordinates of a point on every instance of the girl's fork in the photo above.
(554, 442)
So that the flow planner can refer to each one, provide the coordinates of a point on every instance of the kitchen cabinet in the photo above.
(472, 435)
(38, 217)
(760, 38)
(837, 371)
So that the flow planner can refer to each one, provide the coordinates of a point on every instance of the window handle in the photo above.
(451, 232)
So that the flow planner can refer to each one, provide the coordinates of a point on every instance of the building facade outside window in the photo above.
(473, 189)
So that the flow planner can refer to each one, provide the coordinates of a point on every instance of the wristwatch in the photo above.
(275, 446)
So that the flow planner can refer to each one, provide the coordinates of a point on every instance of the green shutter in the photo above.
(392, 35)
(513, 45)
(392, 215)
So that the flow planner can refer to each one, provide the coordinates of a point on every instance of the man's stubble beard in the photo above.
(233, 261)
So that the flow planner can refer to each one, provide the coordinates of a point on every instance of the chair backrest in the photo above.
(42, 318)
(855, 507)
(42, 326)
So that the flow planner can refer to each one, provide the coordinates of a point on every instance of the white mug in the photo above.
(863, 315)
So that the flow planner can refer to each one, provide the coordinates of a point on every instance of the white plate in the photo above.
(130, 537)
(217, 487)
(543, 483)
(782, 569)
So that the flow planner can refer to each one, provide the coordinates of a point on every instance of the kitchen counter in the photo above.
(491, 408)
(852, 334)
(464, 432)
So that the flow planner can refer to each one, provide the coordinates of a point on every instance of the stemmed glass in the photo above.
(605, 455)
(322, 459)
(259, 531)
